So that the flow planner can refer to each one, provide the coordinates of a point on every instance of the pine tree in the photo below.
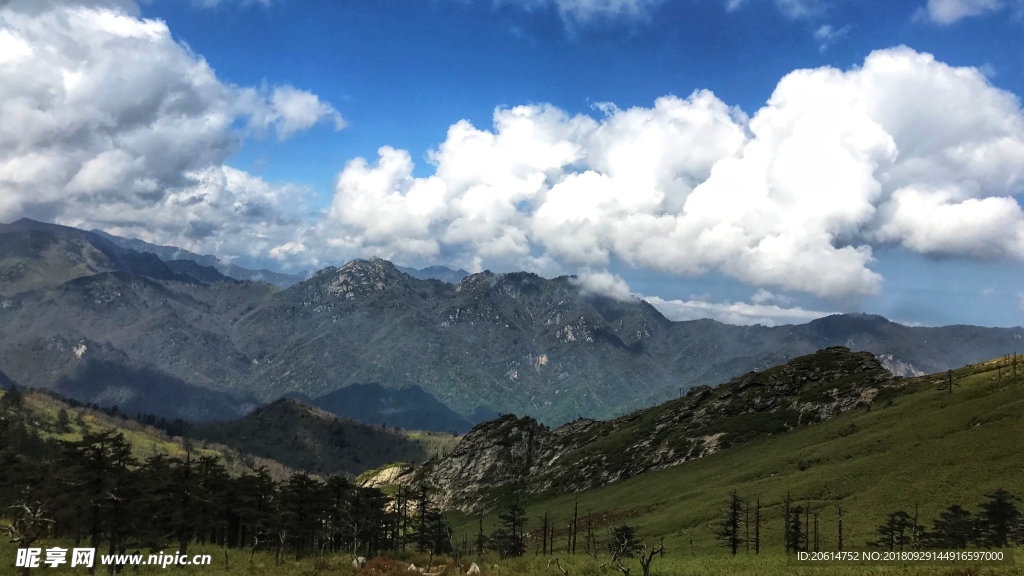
(954, 528)
(729, 534)
(63, 421)
(795, 532)
(896, 533)
(998, 519)
(509, 540)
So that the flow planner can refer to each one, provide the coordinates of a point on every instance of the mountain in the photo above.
(34, 255)
(306, 438)
(196, 271)
(5, 382)
(442, 273)
(489, 344)
(408, 407)
(521, 454)
(170, 253)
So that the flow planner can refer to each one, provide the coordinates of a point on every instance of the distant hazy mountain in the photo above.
(408, 407)
(442, 273)
(491, 343)
(171, 253)
(34, 255)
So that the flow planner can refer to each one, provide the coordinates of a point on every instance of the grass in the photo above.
(240, 562)
(922, 446)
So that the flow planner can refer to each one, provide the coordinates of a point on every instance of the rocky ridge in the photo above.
(522, 455)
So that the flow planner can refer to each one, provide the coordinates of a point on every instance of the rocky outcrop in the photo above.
(519, 454)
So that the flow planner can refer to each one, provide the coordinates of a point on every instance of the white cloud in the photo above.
(946, 12)
(107, 121)
(904, 150)
(826, 35)
(293, 110)
(739, 313)
(222, 211)
(587, 10)
(763, 296)
(936, 221)
(603, 283)
(800, 8)
(216, 3)
(584, 11)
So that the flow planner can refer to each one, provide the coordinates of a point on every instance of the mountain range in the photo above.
(105, 323)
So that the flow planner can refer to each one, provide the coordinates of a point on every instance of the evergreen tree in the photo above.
(896, 533)
(63, 421)
(954, 528)
(998, 519)
(509, 540)
(729, 534)
(795, 530)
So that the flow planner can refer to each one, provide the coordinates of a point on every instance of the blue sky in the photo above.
(558, 136)
(403, 71)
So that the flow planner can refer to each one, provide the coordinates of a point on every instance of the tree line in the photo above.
(997, 524)
(95, 493)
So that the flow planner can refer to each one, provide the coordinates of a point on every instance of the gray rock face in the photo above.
(519, 454)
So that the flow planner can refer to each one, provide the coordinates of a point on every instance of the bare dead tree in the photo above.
(591, 540)
(558, 565)
(575, 517)
(647, 557)
(746, 523)
(757, 528)
(644, 556)
(840, 528)
(544, 534)
(28, 524)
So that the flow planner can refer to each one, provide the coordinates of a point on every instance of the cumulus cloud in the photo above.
(107, 121)
(292, 110)
(603, 283)
(945, 12)
(739, 313)
(903, 149)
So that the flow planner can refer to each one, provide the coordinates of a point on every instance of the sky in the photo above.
(752, 161)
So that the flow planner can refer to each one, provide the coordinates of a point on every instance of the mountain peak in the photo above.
(363, 277)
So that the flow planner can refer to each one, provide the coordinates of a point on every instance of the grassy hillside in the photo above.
(922, 446)
(42, 414)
